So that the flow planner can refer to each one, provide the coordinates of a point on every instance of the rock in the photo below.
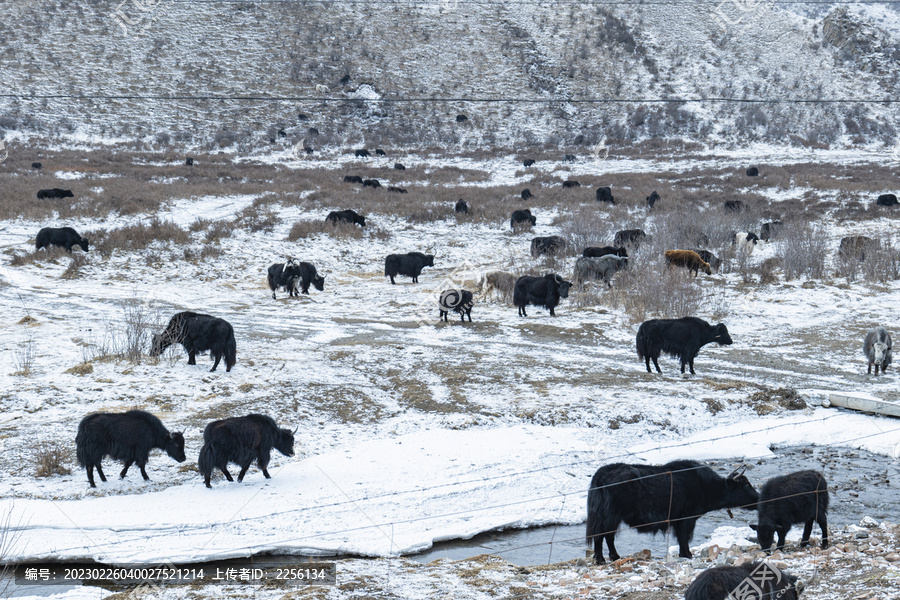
(868, 522)
(892, 557)
(861, 535)
(642, 555)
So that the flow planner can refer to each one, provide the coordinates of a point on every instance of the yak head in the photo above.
(562, 285)
(429, 260)
(175, 446)
(879, 352)
(319, 282)
(765, 534)
(739, 492)
(360, 220)
(157, 344)
(721, 335)
(284, 441)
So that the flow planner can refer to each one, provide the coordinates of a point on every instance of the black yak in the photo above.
(528, 162)
(652, 199)
(593, 251)
(285, 276)
(629, 238)
(569, 158)
(799, 497)
(54, 194)
(680, 338)
(543, 291)
(571, 183)
(458, 301)
(522, 218)
(36, 165)
(752, 172)
(64, 237)
(353, 179)
(379, 152)
(128, 437)
(708, 257)
(887, 200)
(242, 440)
(653, 499)
(734, 206)
(372, 183)
(396, 190)
(408, 265)
(750, 581)
(553, 245)
(345, 216)
(526, 194)
(399, 166)
(308, 275)
(604, 194)
(877, 348)
(198, 333)
(461, 207)
(361, 153)
(461, 118)
(770, 230)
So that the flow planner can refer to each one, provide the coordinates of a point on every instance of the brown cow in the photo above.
(687, 259)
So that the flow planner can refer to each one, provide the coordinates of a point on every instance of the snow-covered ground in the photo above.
(411, 431)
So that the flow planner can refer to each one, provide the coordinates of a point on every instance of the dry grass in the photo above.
(49, 254)
(136, 237)
(650, 289)
(50, 459)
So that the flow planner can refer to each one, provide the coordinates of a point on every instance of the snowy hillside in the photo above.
(232, 74)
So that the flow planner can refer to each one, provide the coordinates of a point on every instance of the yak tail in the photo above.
(641, 342)
(207, 460)
(596, 507)
(230, 351)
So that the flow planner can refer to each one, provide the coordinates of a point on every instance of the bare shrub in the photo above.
(49, 254)
(428, 215)
(802, 250)
(216, 230)
(652, 289)
(50, 459)
(880, 265)
(23, 357)
(128, 340)
(766, 270)
(136, 237)
(73, 271)
(583, 228)
(258, 217)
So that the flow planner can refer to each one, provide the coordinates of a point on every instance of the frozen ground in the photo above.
(411, 431)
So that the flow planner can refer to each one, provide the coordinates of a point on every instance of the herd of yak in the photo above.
(650, 499)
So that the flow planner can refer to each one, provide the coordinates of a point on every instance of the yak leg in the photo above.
(243, 472)
(823, 525)
(392, 280)
(206, 479)
(684, 531)
(263, 462)
(144, 472)
(124, 472)
(656, 364)
(192, 357)
(807, 530)
(217, 357)
(869, 371)
(782, 533)
(90, 473)
(611, 544)
(100, 473)
(224, 469)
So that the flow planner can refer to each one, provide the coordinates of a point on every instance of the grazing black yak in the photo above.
(458, 301)
(128, 437)
(799, 497)
(242, 440)
(198, 333)
(522, 218)
(653, 499)
(64, 237)
(54, 194)
(679, 338)
(345, 216)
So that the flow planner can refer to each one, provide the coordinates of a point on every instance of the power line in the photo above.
(459, 99)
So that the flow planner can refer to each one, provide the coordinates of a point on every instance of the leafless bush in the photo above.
(880, 264)
(766, 270)
(258, 217)
(802, 249)
(136, 237)
(651, 289)
(49, 254)
(583, 228)
(23, 357)
(51, 458)
(128, 340)
(73, 271)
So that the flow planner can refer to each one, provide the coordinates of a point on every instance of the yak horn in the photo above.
(295, 429)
